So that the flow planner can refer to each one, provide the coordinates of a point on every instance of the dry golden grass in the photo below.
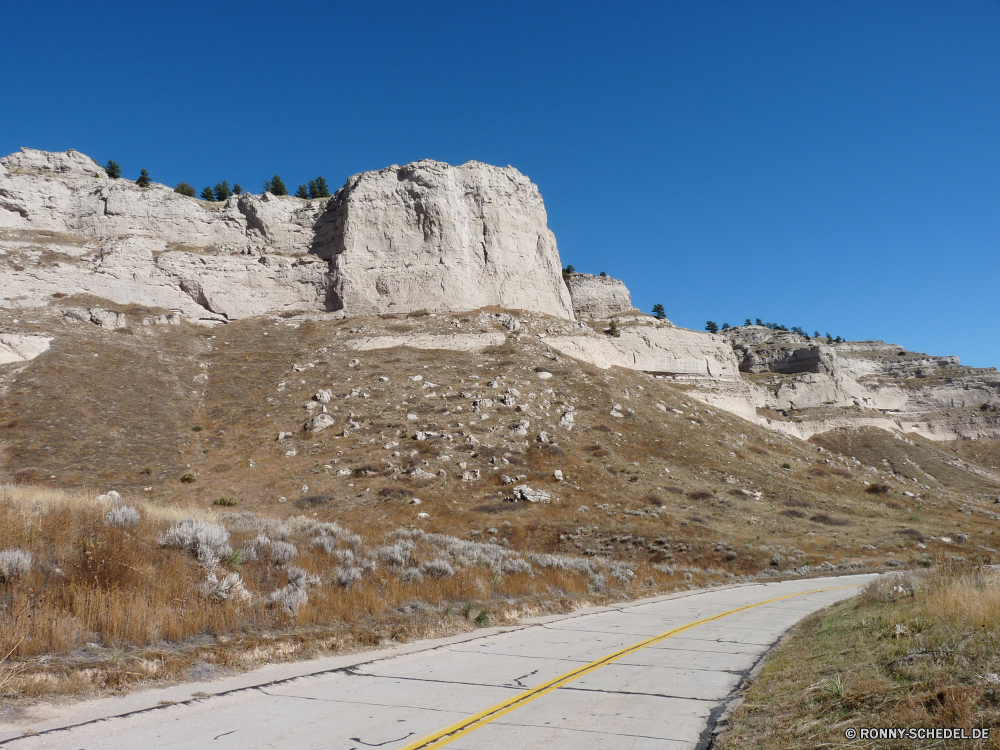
(914, 650)
(671, 490)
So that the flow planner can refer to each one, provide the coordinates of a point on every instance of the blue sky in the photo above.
(829, 165)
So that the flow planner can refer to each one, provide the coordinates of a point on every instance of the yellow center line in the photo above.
(444, 736)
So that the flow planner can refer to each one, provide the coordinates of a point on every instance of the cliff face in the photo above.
(423, 236)
(803, 387)
(435, 237)
(429, 236)
(598, 296)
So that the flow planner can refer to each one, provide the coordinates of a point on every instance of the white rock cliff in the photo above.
(435, 237)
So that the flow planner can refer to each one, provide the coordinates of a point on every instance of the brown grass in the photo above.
(911, 651)
(240, 387)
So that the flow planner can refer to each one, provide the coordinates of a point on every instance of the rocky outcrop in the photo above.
(701, 360)
(440, 238)
(423, 236)
(14, 348)
(458, 342)
(598, 297)
(70, 193)
(805, 386)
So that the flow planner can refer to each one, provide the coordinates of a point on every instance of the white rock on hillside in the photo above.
(431, 236)
(598, 297)
(21, 348)
(700, 359)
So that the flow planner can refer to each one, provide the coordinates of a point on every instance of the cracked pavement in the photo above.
(664, 695)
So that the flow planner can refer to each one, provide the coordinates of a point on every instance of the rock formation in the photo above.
(423, 236)
(428, 236)
(431, 236)
(598, 297)
(804, 386)
(702, 361)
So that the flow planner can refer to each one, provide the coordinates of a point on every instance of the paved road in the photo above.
(650, 674)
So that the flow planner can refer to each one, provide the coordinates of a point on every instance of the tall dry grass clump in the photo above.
(78, 569)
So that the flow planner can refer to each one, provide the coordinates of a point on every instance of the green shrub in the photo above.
(188, 478)
(184, 189)
(227, 502)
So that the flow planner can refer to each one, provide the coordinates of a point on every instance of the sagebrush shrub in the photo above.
(347, 575)
(282, 552)
(395, 554)
(206, 540)
(122, 515)
(13, 563)
(411, 575)
(439, 569)
(289, 598)
(229, 588)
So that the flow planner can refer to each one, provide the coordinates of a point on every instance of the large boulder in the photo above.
(429, 236)
(598, 297)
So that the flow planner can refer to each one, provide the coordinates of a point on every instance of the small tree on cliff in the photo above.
(318, 188)
(113, 170)
(222, 191)
(208, 194)
(143, 180)
(184, 189)
(275, 186)
(302, 192)
(711, 327)
(658, 312)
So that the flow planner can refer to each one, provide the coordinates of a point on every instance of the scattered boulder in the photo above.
(319, 423)
(524, 492)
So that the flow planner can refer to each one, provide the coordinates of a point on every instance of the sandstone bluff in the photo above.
(436, 238)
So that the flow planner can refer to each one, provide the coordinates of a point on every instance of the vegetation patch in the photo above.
(914, 650)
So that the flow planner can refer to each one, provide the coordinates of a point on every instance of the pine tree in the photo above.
(275, 186)
(711, 327)
(604, 275)
(725, 326)
(658, 312)
(184, 189)
(113, 170)
(237, 190)
(613, 329)
(322, 190)
(759, 322)
(816, 334)
(143, 180)
(222, 191)
(828, 336)
(208, 194)
(302, 192)
(748, 322)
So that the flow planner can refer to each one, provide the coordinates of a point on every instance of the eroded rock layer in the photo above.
(804, 386)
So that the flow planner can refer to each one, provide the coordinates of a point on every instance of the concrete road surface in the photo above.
(649, 674)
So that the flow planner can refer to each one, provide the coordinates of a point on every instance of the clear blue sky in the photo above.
(834, 165)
